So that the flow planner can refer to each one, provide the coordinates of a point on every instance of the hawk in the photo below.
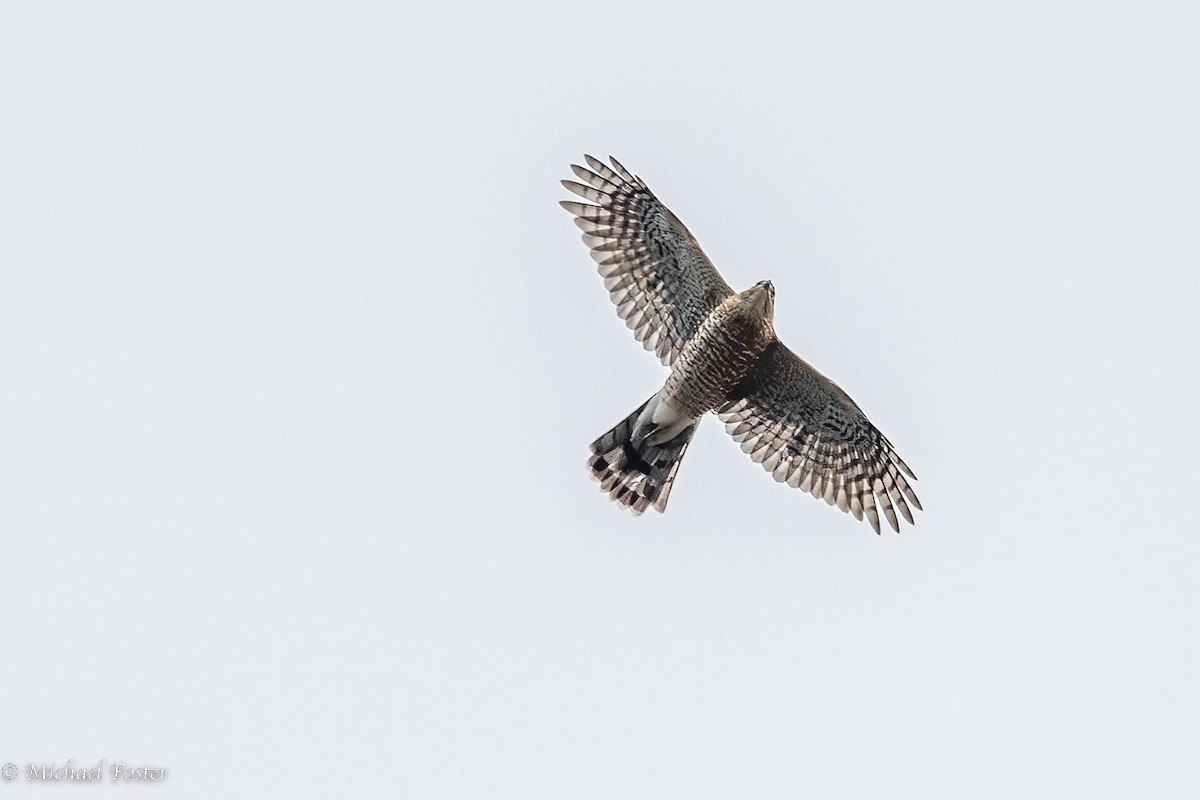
(724, 357)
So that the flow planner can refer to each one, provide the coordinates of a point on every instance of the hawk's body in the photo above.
(724, 357)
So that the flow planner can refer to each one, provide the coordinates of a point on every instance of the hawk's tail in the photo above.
(635, 473)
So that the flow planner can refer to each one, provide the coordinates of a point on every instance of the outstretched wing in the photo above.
(807, 432)
(661, 281)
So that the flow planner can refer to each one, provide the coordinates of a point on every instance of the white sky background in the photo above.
(301, 360)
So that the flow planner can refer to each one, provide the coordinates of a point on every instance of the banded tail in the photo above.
(634, 468)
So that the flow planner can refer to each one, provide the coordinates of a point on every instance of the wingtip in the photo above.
(621, 170)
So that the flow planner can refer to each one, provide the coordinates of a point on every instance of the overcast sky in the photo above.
(301, 360)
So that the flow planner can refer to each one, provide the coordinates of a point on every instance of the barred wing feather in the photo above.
(655, 272)
(808, 433)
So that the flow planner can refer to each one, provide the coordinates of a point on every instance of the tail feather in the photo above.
(634, 472)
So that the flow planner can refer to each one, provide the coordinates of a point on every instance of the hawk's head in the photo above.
(761, 298)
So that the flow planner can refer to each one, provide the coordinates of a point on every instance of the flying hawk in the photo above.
(724, 357)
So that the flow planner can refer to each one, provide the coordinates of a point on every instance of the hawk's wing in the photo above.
(806, 431)
(661, 281)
